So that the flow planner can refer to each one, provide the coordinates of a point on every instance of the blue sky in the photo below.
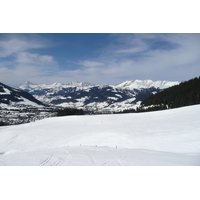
(98, 58)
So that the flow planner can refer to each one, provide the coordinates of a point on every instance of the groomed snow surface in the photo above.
(170, 137)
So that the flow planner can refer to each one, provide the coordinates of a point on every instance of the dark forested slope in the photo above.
(185, 94)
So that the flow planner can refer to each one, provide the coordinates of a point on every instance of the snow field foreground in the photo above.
(170, 137)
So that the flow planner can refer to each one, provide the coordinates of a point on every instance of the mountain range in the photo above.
(107, 98)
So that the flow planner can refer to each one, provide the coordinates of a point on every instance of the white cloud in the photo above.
(14, 46)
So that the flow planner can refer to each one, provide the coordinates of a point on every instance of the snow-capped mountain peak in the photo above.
(29, 83)
(139, 84)
(55, 85)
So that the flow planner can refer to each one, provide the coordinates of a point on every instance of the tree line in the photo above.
(69, 111)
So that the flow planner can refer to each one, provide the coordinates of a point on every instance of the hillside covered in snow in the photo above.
(170, 137)
(10, 95)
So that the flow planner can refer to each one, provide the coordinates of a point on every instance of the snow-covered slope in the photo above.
(126, 95)
(10, 95)
(170, 137)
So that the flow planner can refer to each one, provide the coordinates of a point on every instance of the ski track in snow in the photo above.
(46, 160)
(170, 137)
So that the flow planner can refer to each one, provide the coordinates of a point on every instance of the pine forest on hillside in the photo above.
(185, 94)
